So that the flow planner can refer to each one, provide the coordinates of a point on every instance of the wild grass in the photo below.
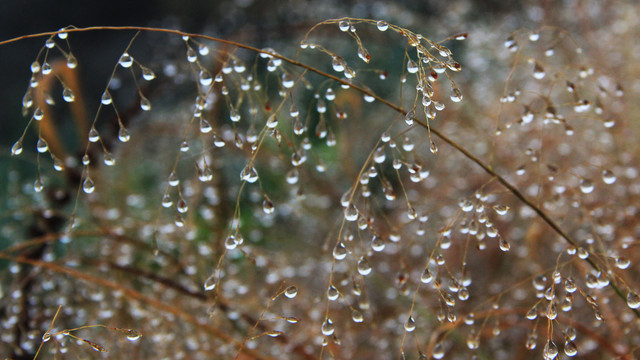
(355, 196)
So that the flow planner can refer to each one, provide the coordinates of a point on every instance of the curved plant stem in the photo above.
(510, 187)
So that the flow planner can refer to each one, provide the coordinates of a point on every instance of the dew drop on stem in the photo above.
(351, 212)
(145, 104)
(328, 328)
(93, 135)
(68, 95)
(382, 25)
(147, 73)
(570, 348)
(123, 134)
(608, 177)
(339, 251)
(38, 186)
(106, 98)
(410, 324)
(125, 60)
(173, 179)
(633, 300)
(167, 201)
(550, 350)
(364, 268)
(357, 316)
(205, 127)
(72, 62)
(205, 78)
(87, 185)
(344, 25)
(16, 149)
(291, 292)
(210, 283)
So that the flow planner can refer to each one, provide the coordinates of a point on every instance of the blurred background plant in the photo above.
(224, 203)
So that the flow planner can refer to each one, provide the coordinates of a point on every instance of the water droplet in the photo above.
(145, 104)
(291, 292)
(210, 283)
(357, 316)
(173, 179)
(550, 350)
(338, 64)
(287, 81)
(249, 174)
(125, 60)
(205, 127)
(272, 121)
(410, 324)
(633, 300)
(351, 212)
(191, 55)
(570, 348)
(267, 207)
(86, 160)
(50, 43)
(38, 114)
(608, 177)
(16, 149)
(167, 201)
(109, 160)
(363, 54)
(93, 135)
(88, 186)
(68, 95)
(456, 95)
(147, 73)
(473, 340)
(531, 341)
(132, 335)
(463, 293)
(378, 244)
(382, 25)
(504, 245)
(327, 327)
(426, 276)
(292, 176)
(412, 67)
(586, 186)
(234, 115)
(38, 186)
(35, 67)
(332, 293)
(344, 25)
(123, 134)
(538, 71)
(433, 148)
(409, 118)
(106, 98)
(72, 62)
(203, 50)
(205, 78)
(230, 243)
(364, 268)
(339, 251)
(501, 209)
(622, 262)
(534, 36)
(182, 206)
